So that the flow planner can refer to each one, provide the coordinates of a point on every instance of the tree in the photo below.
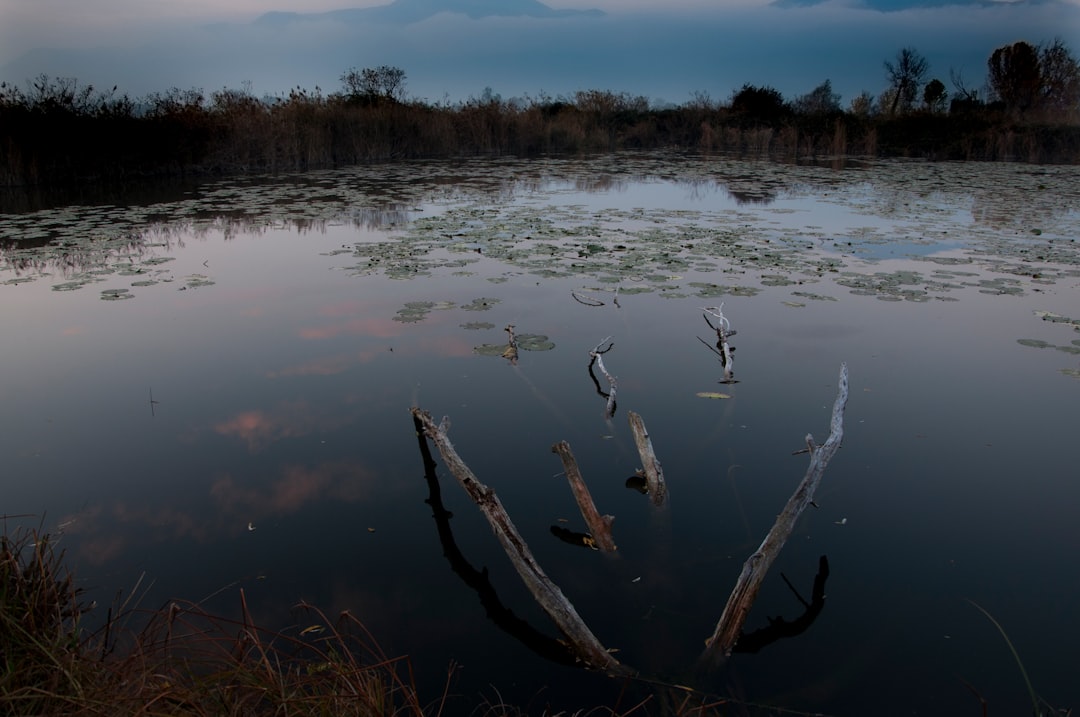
(819, 101)
(905, 76)
(373, 84)
(935, 95)
(763, 104)
(1015, 75)
(1060, 75)
(862, 105)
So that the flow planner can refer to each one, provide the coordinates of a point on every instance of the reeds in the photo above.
(56, 132)
(182, 660)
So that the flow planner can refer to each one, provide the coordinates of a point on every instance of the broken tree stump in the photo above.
(720, 644)
(654, 474)
(599, 525)
(546, 593)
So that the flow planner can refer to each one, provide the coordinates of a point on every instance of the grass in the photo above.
(183, 660)
(1039, 706)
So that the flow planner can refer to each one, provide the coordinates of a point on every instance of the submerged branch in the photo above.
(503, 617)
(654, 474)
(597, 358)
(548, 595)
(720, 644)
(599, 525)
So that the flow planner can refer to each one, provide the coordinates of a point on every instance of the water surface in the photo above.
(214, 391)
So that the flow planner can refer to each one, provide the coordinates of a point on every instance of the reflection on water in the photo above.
(242, 419)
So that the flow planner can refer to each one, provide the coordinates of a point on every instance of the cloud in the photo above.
(670, 54)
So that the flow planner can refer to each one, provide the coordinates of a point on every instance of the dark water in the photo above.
(243, 422)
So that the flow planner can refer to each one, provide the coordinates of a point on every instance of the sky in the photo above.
(667, 50)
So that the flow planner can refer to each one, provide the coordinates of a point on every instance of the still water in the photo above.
(213, 391)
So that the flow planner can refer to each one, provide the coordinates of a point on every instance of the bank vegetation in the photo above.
(55, 131)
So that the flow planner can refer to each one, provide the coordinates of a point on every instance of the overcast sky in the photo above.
(664, 49)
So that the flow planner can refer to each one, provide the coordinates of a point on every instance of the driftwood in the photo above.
(654, 474)
(599, 525)
(720, 644)
(548, 595)
(597, 357)
(723, 348)
(511, 352)
(503, 617)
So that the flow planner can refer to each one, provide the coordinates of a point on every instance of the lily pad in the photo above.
(534, 342)
(712, 394)
(481, 304)
(116, 294)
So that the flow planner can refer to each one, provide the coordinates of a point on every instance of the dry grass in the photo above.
(58, 132)
(183, 661)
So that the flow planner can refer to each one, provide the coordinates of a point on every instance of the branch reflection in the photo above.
(779, 628)
(504, 618)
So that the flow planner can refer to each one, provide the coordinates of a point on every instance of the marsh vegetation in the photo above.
(56, 131)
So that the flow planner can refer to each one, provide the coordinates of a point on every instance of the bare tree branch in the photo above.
(588, 649)
(719, 645)
(599, 526)
(654, 474)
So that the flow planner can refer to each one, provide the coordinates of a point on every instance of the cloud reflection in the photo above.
(383, 328)
(103, 533)
(258, 428)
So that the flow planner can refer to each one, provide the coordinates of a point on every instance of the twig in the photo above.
(599, 526)
(719, 645)
(654, 474)
(586, 299)
(588, 649)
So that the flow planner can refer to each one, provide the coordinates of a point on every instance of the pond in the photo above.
(213, 391)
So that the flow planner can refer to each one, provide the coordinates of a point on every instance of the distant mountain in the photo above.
(897, 5)
(406, 12)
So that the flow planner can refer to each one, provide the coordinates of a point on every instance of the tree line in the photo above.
(55, 130)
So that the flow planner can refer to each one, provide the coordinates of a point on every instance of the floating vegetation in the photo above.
(481, 304)
(414, 311)
(712, 394)
(72, 285)
(534, 342)
(1034, 343)
(987, 226)
(524, 342)
(477, 325)
(813, 297)
(116, 294)
(709, 291)
(1057, 318)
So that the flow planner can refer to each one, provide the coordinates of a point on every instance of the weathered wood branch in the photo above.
(720, 644)
(511, 352)
(654, 474)
(597, 358)
(548, 595)
(723, 332)
(599, 525)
